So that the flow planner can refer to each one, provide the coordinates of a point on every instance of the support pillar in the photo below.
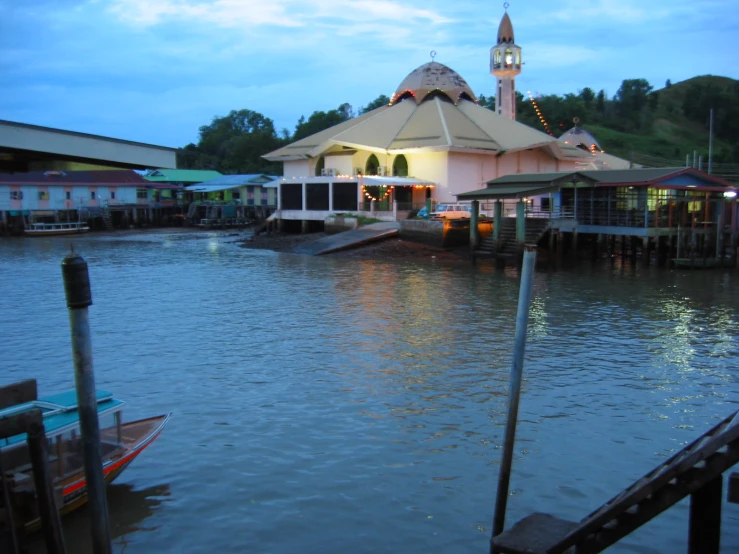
(720, 223)
(330, 197)
(497, 220)
(520, 223)
(704, 535)
(304, 196)
(304, 226)
(474, 230)
(372, 206)
(395, 210)
(645, 251)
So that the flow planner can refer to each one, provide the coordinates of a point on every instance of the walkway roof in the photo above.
(181, 175)
(227, 182)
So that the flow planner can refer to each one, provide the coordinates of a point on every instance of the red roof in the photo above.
(118, 177)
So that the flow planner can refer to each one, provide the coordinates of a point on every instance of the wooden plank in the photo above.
(18, 424)
(18, 393)
(704, 531)
(534, 534)
(733, 495)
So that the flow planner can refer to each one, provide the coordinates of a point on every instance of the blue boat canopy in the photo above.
(59, 412)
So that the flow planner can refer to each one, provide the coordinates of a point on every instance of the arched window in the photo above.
(509, 56)
(496, 58)
(518, 57)
(320, 164)
(400, 166)
(372, 164)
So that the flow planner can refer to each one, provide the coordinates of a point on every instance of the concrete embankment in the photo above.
(349, 239)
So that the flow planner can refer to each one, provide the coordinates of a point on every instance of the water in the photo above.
(332, 405)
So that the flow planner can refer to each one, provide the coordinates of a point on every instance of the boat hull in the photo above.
(55, 232)
(74, 488)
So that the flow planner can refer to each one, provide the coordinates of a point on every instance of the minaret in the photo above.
(505, 64)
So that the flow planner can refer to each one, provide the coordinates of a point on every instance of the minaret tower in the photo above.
(505, 64)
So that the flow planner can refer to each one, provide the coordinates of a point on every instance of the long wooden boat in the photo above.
(54, 229)
(121, 443)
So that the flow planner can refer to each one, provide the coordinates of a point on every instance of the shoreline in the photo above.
(391, 248)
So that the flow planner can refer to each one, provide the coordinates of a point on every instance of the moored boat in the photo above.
(54, 229)
(121, 443)
(697, 263)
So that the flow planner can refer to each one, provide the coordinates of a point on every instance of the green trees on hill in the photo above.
(667, 123)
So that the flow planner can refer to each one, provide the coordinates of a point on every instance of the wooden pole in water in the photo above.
(48, 509)
(79, 298)
(519, 347)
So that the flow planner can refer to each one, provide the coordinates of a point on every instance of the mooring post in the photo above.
(48, 510)
(474, 231)
(704, 531)
(519, 347)
(79, 298)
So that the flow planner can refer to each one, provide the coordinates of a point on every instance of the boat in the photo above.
(53, 229)
(121, 443)
(697, 263)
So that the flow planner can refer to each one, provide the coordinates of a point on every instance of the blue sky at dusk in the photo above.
(155, 70)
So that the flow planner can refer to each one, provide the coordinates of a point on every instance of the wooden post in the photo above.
(520, 223)
(79, 298)
(645, 251)
(44, 486)
(704, 534)
(474, 231)
(519, 348)
(497, 222)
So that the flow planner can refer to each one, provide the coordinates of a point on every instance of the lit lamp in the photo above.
(730, 194)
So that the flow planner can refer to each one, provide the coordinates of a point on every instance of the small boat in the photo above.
(53, 229)
(697, 263)
(121, 444)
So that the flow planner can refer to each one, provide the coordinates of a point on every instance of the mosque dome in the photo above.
(431, 79)
(505, 30)
(580, 138)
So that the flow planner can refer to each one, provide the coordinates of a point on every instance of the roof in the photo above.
(86, 135)
(59, 412)
(505, 30)
(226, 182)
(119, 177)
(538, 178)
(578, 135)
(434, 124)
(510, 191)
(632, 176)
(181, 175)
(432, 77)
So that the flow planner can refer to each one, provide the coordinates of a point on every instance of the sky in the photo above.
(154, 71)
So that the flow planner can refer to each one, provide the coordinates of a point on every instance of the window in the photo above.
(142, 194)
(372, 165)
(68, 195)
(235, 194)
(16, 195)
(400, 166)
(112, 195)
(545, 204)
(43, 195)
(93, 195)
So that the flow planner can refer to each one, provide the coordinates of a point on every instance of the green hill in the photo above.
(652, 127)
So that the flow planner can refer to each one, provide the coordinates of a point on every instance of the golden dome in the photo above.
(432, 77)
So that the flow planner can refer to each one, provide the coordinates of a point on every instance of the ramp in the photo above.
(696, 470)
(349, 239)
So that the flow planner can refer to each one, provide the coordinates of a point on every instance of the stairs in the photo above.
(508, 247)
(105, 215)
(192, 211)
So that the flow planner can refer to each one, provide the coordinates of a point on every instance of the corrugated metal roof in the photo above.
(632, 176)
(226, 182)
(510, 191)
(181, 175)
(534, 178)
(103, 177)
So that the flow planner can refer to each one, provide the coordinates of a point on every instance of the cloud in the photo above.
(280, 13)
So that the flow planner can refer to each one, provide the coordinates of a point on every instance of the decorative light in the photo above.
(730, 194)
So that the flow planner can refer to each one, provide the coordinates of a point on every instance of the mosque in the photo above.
(433, 140)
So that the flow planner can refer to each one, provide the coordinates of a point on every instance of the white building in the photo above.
(432, 140)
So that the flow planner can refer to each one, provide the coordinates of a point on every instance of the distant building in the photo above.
(244, 196)
(432, 141)
(25, 148)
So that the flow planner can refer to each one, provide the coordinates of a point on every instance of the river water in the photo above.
(332, 404)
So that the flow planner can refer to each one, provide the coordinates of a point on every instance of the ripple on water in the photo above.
(327, 404)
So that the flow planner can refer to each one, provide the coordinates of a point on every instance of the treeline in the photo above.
(234, 143)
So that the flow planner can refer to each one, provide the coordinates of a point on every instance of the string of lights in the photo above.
(370, 197)
(538, 112)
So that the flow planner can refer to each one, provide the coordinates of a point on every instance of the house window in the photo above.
(235, 194)
(43, 195)
(93, 195)
(16, 195)
(142, 194)
(112, 195)
(545, 204)
(68, 195)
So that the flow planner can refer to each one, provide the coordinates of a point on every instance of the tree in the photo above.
(588, 96)
(319, 121)
(600, 102)
(632, 96)
(232, 144)
(378, 102)
(668, 83)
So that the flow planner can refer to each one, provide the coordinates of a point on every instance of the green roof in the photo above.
(522, 190)
(181, 175)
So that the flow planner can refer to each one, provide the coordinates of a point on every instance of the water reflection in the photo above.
(128, 510)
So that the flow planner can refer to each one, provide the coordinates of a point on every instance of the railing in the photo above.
(558, 213)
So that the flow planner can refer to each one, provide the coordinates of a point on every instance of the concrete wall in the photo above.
(298, 168)
(341, 163)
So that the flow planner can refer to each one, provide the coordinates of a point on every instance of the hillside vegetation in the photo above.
(650, 127)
